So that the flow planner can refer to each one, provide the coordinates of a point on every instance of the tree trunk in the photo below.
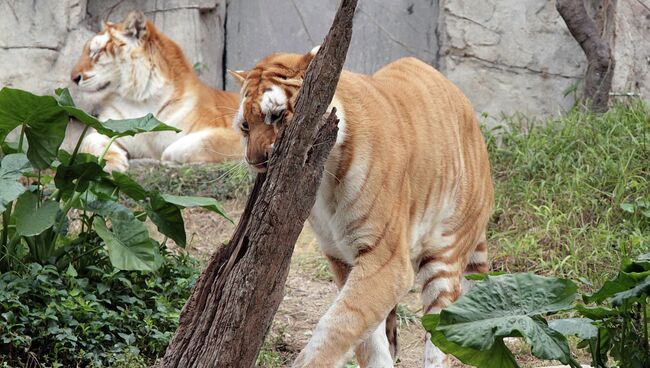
(600, 68)
(225, 320)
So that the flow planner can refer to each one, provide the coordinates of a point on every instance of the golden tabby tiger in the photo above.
(406, 195)
(134, 69)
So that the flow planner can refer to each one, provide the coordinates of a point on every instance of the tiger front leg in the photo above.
(375, 284)
(116, 158)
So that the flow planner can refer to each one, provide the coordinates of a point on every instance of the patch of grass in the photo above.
(222, 181)
(275, 352)
(570, 192)
(322, 270)
(406, 316)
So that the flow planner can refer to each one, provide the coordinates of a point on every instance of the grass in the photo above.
(222, 181)
(570, 193)
(275, 351)
(406, 316)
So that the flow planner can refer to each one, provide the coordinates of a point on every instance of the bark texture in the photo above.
(233, 303)
(600, 69)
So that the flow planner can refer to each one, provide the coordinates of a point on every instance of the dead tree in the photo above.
(231, 308)
(600, 69)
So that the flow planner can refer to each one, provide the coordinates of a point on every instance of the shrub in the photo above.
(97, 316)
(82, 282)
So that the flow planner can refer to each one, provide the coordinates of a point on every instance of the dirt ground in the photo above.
(309, 292)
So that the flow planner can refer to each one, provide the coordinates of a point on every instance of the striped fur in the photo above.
(133, 69)
(406, 195)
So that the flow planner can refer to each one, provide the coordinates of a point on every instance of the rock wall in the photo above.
(509, 56)
(506, 55)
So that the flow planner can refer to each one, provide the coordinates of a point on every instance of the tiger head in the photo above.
(118, 59)
(268, 93)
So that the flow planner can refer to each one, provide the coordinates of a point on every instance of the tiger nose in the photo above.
(76, 77)
(258, 158)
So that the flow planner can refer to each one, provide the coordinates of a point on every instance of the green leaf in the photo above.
(595, 313)
(64, 99)
(129, 187)
(511, 305)
(209, 204)
(31, 219)
(109, 209)
(104, 189)
(147, 123)
(71, 271)
(14, 165)
(11, 168)
(482, 276)
(111, 128)
(129, 245)
(167, 217)
(78, 176)
(497, 356)
(45, 123)
(102, 288)
(623, 281)
(581, 327)
(627, 207)
(642, 289)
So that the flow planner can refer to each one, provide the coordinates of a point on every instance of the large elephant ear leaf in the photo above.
(33, 218)
(511, 305)
(11, 168)
(497, 356)
(111, 128)
(631, 282)
(43, 119)
(147, 123)
(65, 101)
(167, 217)
(209, 204)
(129, 245)
(164, 210)
(581, 327)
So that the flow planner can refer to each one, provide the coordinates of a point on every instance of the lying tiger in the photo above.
(407, 195)
(134, 69)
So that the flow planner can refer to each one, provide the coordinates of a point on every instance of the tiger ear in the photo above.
(239, 76)
(135, 25)
(307, 58)
(106, 25)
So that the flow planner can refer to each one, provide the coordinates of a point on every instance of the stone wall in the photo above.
(507, 55)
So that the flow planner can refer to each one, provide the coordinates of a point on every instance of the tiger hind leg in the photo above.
(477, 263)
(441, 286)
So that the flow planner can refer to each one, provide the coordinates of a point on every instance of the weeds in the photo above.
(570, 193)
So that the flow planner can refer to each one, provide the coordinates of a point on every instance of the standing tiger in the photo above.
(406, 195)
(134, 69)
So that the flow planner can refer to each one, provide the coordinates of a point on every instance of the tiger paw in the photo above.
(116, 160)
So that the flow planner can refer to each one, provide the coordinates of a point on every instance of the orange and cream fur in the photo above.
(133, 69)
(405, 197)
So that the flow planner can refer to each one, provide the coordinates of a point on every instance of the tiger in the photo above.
(405, 197)
(133, 69)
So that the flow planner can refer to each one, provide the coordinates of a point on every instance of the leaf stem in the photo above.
(64, 214)
(22, 136)
(78, 146)
(110, 142)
